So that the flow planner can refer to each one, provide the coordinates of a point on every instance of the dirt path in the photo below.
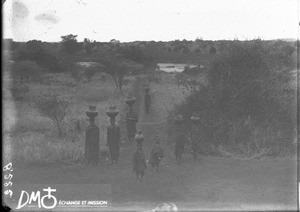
(210, 184)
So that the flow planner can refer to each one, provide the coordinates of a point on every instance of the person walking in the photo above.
(147, 100)
(113, 135)
(179, 138)
(157, 154)
(139, 163)
(131, 120)
(139, 138)
(195, 150)
(179, 147)
(92, 138)
(196, 136)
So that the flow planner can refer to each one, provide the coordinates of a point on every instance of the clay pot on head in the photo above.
(130, 101)
(92, 113)
(112, 112)
(139, 137)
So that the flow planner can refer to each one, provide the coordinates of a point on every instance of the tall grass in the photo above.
(33, 138)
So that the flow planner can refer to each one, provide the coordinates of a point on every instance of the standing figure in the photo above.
(139, 163)
(157, 153)
(131, 119)
(113, 135)
(195, 137)
(139, 138)
(195, 149)
(179, 147)
(147, 100)
(179, 139)
(92, 138)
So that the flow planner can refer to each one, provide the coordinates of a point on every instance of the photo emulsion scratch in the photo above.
(148, 105)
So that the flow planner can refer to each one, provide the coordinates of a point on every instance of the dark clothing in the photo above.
(147, 102)
(113, 141)
(92, 144)
(179, 146)
(194, 150)
(131, 120)
(157, 153)
(195, 143)
(139, 162)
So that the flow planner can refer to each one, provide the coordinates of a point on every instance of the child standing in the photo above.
(139, 163)
(157, 153)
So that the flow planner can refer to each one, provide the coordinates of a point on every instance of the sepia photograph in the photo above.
(150, 105)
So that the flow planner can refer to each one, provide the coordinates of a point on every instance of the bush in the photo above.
(25, 70)
(248, 95)
(53, 107)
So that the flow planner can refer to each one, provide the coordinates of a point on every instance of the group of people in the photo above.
(139, 159)
(114, 139)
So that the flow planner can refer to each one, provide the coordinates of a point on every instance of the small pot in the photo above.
(147, 89)
(92, 113)
(130, 101)
(112, 112)
(139, 137)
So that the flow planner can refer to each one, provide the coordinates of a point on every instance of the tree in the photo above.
(34, 50)
(114, 41)
(88, 45)
(52, 106)
(249, 99)
(212, 50)
(117, 70)
(26, 69)
(69, 44)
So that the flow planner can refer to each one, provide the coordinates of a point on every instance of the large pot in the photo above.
(112, 112)
(139, 137)
(130, 101)
(92, 113)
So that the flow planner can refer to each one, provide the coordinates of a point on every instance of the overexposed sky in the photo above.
(159, 20)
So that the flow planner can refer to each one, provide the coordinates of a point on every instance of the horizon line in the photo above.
(235, 39)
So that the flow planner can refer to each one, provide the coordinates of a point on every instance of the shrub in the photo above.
(52, 106)
(248, 92)
(25, 70)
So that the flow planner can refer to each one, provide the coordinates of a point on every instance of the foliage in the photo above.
(212, 50)
(34, 50)
(191, 78)
(247, 84)
(25, 69)
(136, 54)
(52, 106)
(88, 45)
(69, 44)
(118, 68)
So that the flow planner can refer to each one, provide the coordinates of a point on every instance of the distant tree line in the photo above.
(138, 56)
